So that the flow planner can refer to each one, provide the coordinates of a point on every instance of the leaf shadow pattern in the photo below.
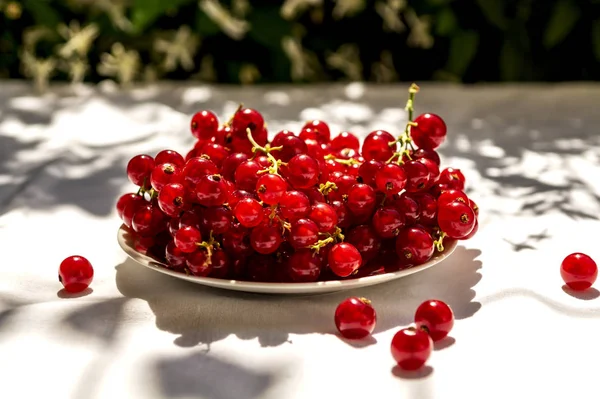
(201, 315)
(536, 145)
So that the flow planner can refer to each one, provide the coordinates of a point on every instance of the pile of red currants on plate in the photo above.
(300, 208)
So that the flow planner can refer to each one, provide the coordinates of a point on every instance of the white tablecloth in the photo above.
(531, 156)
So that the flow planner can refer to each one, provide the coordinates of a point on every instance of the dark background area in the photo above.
(463, 40)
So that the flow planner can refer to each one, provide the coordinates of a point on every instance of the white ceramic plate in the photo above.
(320, 287)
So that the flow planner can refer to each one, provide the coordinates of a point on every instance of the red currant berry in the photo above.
(216, 219)
(249, 212)
(409, 207)
(411, 348)
(474, 206)
(324, 216)
(429, 132)
(190, 218)
(314, 195)
(453, 178)
(321, 130)
(390, 179)
(204, 125)
(294, 205)
(414, 246)
(75, 273)
(221, 264)
(164, 174)
(212, 190)
(265, 239)
(139, 169)
(456, 219)
(355, 318)
(186, 239)
(246, 175)
(343, 214)
(290, 147)
(236, 196)
(368, 170)
(436, 318)
(473, 232)
(278, 138)
(231, 163)
(172, 199)
(216, 153)
(131, 208)
(143, 244)
(123, 201)
(195, 169)
(303, 266)
(270, 188)
(303, 233)
(148, 220)
(433, 168)
(428, 208)
(428, 154)
(366, 240)
(417, 176)
(169, 156)
(198, 263)
(388, 222)
(175, 257)
(302, 171)
(579, 271)
(361, 199)
(377, 146)
(345, 140)
(344, 259)
(449, 196)
(246, 118)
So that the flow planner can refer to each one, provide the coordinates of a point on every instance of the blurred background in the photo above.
(302, 41)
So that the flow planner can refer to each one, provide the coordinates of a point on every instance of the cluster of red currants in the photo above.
(300, 208)
(355, 318)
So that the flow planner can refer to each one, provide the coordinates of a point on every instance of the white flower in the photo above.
(120, 63)
(390, 14)
(178, 51)
(38, 69)
(347, 60)
(291, 9)
(232, 27)
(305, 65)
(78, 41)
(419, 31)
(347, 8)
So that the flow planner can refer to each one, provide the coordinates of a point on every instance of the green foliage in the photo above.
(263, 41)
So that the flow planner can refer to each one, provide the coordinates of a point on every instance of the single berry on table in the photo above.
(578, 271)
(436, 317)
(75, 273)
(411, 347)
(355, 318)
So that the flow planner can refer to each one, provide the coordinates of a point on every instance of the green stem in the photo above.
(337, 235)
(404, 139)
(274, 169)
(208, 246)
(439, 243)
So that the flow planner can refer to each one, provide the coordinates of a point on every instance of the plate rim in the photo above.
(252, 286)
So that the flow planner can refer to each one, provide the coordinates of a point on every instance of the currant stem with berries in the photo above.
(405, 139)
(335, 236)
(274, 168)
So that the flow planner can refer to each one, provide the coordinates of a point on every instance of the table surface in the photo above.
(530, 154)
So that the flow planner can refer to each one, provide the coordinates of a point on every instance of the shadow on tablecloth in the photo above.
(200, 315)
